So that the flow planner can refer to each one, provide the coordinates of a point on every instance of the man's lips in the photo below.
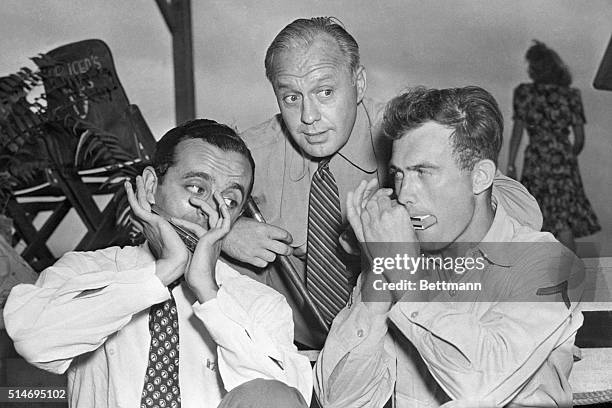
(315, 136)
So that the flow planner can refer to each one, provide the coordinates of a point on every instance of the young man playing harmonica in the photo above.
(114, 319)
(429, 337)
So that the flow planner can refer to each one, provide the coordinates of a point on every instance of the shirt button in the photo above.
(360, 333)
(111, 351)
(414, 315)
(452, 292)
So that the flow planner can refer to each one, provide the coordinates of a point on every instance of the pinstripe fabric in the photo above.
(327, 277)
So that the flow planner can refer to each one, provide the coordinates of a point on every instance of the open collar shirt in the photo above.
(88, 315)
(283, 173)
(509, 345)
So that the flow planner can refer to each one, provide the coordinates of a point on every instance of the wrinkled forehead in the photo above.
(195, 155)
(300, 60)
(431, 142)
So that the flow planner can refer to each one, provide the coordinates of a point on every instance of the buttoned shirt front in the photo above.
(510, 344)
(88, 315)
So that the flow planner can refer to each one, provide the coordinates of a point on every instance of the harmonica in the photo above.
(422, 222)
(191, 241)
(189, 238)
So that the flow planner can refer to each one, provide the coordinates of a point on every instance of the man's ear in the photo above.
(150, 181)
(360, 82)
(483, 175)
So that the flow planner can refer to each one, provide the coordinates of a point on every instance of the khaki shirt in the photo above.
(509, 344)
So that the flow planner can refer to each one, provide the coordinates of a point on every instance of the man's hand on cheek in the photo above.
(171, 254)
(355, 206)
(200, 275)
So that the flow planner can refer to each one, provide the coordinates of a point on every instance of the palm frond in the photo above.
(40, 129)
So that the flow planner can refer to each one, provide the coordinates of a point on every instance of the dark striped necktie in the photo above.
(161, 385)
(327, 277)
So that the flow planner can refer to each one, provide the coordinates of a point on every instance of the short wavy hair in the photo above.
(303, 32)
(546, 67)
(471, 111)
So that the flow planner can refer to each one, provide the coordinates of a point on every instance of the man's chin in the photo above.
(433, 246)
(431, 243)
(319, 149)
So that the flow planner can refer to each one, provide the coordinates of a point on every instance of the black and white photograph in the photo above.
(324, 204)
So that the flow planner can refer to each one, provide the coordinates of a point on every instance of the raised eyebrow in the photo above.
(285, 87)
(326, 77)
(289, 86)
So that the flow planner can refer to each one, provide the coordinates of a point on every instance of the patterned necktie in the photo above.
(326, 275)
(161, 385)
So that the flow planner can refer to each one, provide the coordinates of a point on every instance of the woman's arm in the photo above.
(515, 141)
(578, 130)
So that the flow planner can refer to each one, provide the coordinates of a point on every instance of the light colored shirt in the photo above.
(510, 344)
(282, 186)
(283, 173)
(88, 315)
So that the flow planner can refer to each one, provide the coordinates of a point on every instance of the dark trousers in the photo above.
(260, 393)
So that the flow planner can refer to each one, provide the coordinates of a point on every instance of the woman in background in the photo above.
(547, 108)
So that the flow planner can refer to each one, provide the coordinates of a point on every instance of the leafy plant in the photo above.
(20, 122)
(34, 137)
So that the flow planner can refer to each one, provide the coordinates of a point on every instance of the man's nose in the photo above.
(310, 112)
(407, 192)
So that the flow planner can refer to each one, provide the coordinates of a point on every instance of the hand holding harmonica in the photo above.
(189, 238)
(170, 254)
(370, 205)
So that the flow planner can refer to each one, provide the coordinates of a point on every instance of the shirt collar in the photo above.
(492, 245)
(359, 149)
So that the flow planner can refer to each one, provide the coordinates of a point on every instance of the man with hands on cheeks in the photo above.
(173, 259)
(131, 332)
(509, 343)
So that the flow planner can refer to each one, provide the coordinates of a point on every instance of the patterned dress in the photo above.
(550, 170)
